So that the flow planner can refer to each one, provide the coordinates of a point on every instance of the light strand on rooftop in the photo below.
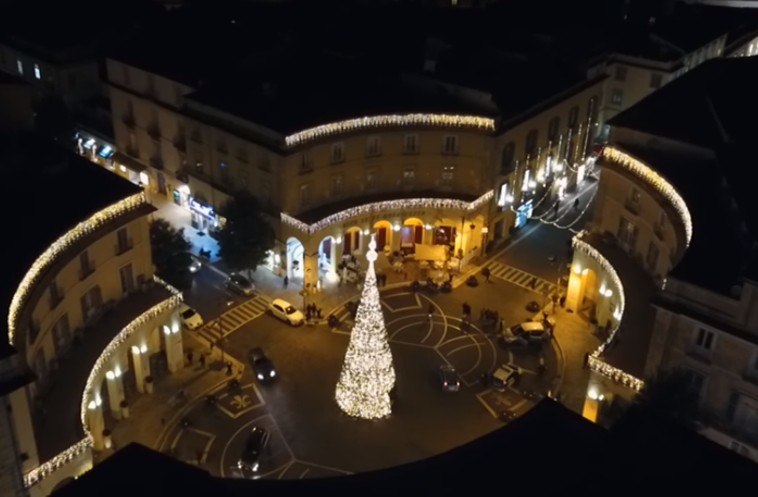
(58, 247)
(390, 120)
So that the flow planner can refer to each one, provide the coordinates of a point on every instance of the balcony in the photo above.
(129, 121)
(85, 272)
(56, 298)
(156, 162)
(154, 131)
(632, 206)
(699, 354)
(124, 246)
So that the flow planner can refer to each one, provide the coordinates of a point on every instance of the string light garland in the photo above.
(595, 363)
(48, 468)
(655, 180)
(384, 206)
(59, 246)
(390, 120)
(367, 376)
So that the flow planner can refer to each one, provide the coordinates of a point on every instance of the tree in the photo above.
(368, 376)
(669, 396)
(171, 253)
(246, 238)
(54, 120)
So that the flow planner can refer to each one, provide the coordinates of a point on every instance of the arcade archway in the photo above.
(295, 265)
(383, 232)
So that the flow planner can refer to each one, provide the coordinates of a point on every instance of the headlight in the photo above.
(255, 467)
(272, 374)
(260, 376)
(239, 464)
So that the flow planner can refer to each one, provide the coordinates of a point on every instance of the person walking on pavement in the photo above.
(486, 274)
(576, 204)
(286, 281)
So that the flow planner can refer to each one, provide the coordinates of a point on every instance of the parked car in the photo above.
(281, 309)
(190, 318)
(529, 332)
(240, 284)
(195, 264)
(449, 378)
(256, 443)
(505, 376)
(261, 364)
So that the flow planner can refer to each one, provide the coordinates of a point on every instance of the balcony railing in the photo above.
(85, 272)
(124, 246)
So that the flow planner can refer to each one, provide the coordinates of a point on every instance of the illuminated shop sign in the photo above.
(202, 209)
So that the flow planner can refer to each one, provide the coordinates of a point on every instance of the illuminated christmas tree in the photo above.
(367, 374)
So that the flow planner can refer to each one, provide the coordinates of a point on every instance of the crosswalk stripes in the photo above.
(234, 318)
(521, 278)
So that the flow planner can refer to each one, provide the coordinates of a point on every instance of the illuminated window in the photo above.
(37, 72)
(502, 197)
(20, 67)
(373, 146)
(409, 176)
(617, 96)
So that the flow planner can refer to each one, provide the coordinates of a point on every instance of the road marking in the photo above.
(397, 309)
(521, 278)
(302, 475)
(234, 318)
(485, 404)
(241, 401)
(245, 427)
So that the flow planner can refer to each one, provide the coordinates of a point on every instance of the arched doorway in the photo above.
(327, 256)
(411, 234)
(351, 241)
(295, 251)
(383, 230)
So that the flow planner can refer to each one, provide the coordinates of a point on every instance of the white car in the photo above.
(281, 309)
(190, 318)
(505, 376)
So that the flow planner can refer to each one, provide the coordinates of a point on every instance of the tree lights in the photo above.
(391, 120)
(63, 243)
(387, 205)
(367, 375)
(654, 179)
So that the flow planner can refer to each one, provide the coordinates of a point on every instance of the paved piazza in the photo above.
(312, 438)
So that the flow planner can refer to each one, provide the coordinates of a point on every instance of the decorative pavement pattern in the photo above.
(234, 318)
(521, 278)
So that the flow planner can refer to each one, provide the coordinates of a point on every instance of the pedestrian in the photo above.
(202, 360)
(466, 310)
(318, 312)
(576, 204)
(534, 282)
(430, 311)
(486, 274)
(229, 369)
(286, 281)
(190, 356)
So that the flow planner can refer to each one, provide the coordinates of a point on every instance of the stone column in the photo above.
(576, 287)
(174, 346)
(333, 256)
(395, 237)
(96, 423)
(362, 236)
(310, 270)
(141, 366)
(115, 385)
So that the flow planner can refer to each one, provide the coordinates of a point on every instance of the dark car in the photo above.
(449, 378)
(240, 284)
(261, 364)
(257, 441)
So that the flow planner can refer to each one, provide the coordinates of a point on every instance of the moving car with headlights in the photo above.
(195, 264)
(250, 459)
(239, 284)
(190, 318)
(283, 310)
(261, 364)
(529, 332)
(505, 376)
(449, 378)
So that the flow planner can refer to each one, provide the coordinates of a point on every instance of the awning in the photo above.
(128, 162)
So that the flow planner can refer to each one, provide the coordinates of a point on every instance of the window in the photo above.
(503, 197)
(617, 96)
(695, 382)
(338, 152)
(372, 179)
(336, 185)
(123, 241)
(127, 279)
(91, 301)
(62, 334)
(554, 129)
(531, 143)
(573, 117)
(306, 164)
(704, 340)
(305, 195)
(409, 176)
(20, 67)
(56, 294)
(506, 161)
(621, 72)
(373, 146)
(85, 265)
(450, 144)
(410, 144)
(651, 259)
(656, 80)
(627, 234)
(225, 172)
(37, 72)
(448, 172)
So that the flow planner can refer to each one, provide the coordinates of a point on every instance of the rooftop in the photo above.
(576, 450)
(707, 108)
(64, 404)
(60, 190)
